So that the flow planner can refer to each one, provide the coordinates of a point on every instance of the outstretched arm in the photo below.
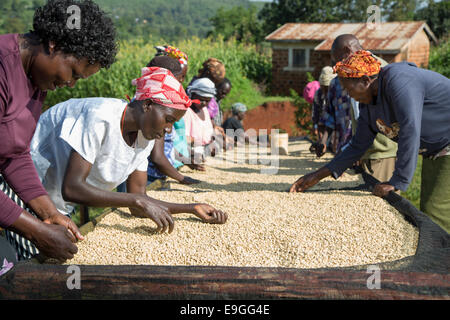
(161, 162)
(357, 147)
(136, 183)
(76, 189)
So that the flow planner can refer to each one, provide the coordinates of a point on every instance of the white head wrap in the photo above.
(204, 87)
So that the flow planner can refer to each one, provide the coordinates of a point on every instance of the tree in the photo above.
(440, 58)
(17, 15)
(437, 16)
(400, 10)
(238, 22)
(279, 12)
(13, 25)
(275, 14)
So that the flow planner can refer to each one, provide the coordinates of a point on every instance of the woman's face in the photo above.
(241, 115)
(358, 89)
(203, 101)
(157, 120)
(58, 70)
(183, 73)
(223, 91)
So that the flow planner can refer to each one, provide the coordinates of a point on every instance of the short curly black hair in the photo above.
(166, 62)
(94, 40)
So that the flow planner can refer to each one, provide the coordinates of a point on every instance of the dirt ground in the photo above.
(271, 115)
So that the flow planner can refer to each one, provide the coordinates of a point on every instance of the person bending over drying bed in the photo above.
(409, 105)
(199, 128)
(84, 148)
(163, 157)
(50, 56)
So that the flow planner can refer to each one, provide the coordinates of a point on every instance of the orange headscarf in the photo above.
(361, 63)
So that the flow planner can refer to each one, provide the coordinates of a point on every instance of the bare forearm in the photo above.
(166, 168)
(43, 206)
(91, 196)
(94, 197)
(182, 158)
(26, 225)
(175, 208)
(322, 173)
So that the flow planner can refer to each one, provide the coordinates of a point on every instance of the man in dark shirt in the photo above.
(233, 125)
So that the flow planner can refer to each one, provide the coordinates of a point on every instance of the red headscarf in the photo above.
(160, 85)
(361, 63)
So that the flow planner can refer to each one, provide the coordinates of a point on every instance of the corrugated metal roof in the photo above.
(389, 36)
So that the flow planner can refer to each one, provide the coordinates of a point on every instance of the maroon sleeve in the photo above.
(9, 210)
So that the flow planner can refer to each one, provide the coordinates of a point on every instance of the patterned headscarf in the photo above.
(361, 63)
(174, 53)
(215, 67)
(204, 87)
(238, 107)
(159, 85)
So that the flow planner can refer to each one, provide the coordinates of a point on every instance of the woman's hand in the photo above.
(320, 149)
(309, 180)
(45, 209)
(188, 180)
(219, 130)
(196, 166)
(209, 214)
(55, 241)
(157, 212)
(304, 183)
(62, 220)
(52, 240)
(383, 189)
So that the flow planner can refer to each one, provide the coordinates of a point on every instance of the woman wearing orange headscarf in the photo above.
(410, 106)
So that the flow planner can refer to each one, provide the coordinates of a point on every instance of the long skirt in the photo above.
(435, 190)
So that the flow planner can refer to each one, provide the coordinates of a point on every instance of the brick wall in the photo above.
(283, 81)
(319, 59)
(390, 58)
(419, 50)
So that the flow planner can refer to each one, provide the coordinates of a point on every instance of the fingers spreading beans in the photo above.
(265, 226)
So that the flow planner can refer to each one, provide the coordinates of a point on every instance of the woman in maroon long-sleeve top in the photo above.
(55, 54)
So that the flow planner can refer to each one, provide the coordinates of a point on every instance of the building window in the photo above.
(299, 58)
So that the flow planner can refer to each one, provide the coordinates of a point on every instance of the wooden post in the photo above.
(84, 215)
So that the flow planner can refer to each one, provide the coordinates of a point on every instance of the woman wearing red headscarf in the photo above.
(84, 148)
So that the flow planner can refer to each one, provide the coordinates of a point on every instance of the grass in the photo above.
(93, 213)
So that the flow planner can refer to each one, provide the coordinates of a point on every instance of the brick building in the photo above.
(298, 48)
